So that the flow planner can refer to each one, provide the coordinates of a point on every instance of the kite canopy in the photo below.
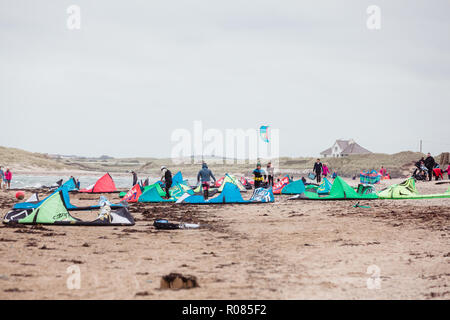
(277, 187)
(339, 191)
(154, 194)
(247, 185)
(324, 187)
(295, 187)
(158, 187)
(370, 177)
(407, 190)
(199, 190)
(70, 185)
(263, 133)
(53, 210)
(133, 195)
(230, 194)
(178, 179)
(34, 202)
(233, 180)
(219, 182)
(103, 185)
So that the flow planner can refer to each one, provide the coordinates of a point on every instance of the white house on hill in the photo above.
(342, 148)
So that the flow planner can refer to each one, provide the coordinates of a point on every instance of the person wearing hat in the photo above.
(167, 178)
(260, 176)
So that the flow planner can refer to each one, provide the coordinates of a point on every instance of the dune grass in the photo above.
(398, 165)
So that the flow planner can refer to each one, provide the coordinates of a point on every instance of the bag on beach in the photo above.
(165, 225)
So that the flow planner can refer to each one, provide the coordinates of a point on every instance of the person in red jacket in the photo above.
(8, 178)
(437, 172)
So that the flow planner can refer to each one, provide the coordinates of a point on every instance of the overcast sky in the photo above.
(138, 70)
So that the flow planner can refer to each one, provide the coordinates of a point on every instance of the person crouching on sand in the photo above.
(205, 175)
(167, 178)
(8, 178)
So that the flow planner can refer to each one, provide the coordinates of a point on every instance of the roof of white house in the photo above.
(347, 147)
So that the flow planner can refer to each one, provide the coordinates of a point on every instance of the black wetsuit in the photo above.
(259, 173)
(135, 178)
(318, 171)
(168, 182)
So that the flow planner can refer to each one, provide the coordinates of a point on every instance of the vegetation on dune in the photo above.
(16, 158)
(398, 165)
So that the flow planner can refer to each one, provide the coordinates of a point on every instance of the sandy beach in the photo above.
(285, 250)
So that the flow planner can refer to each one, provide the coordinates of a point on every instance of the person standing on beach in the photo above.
(2, 177)
(135, 178)
(325, 170)
(205, 175)
(429, 164)
(167, 178)
(270, 171)
(8, 178)
(318, 170)
(260, 176)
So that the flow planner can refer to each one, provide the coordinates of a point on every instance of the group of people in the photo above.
(265, 177)
(204, 176)
(5, 178)
(262, 177)
(428, 167)
(320, 169)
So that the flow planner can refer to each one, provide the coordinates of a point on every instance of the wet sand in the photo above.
(285, 250)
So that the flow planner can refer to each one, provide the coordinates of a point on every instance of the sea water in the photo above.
(38, 181)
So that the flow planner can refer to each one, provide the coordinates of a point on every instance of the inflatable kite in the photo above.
(54, 210)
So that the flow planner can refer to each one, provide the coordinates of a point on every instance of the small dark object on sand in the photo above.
(177, 281)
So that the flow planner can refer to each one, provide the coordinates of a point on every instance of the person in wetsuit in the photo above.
(318, 170)
(270, 170)
(167, 178)
(260, 176)
(135, 178)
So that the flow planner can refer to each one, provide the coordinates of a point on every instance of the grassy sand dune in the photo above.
(398, 165)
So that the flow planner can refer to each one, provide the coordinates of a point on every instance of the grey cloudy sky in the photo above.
(137, 70)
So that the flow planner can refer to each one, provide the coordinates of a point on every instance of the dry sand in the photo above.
(285, 250)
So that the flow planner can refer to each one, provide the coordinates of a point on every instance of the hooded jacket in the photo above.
(205, 174)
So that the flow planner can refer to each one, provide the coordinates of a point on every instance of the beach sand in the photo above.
(285, 250)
